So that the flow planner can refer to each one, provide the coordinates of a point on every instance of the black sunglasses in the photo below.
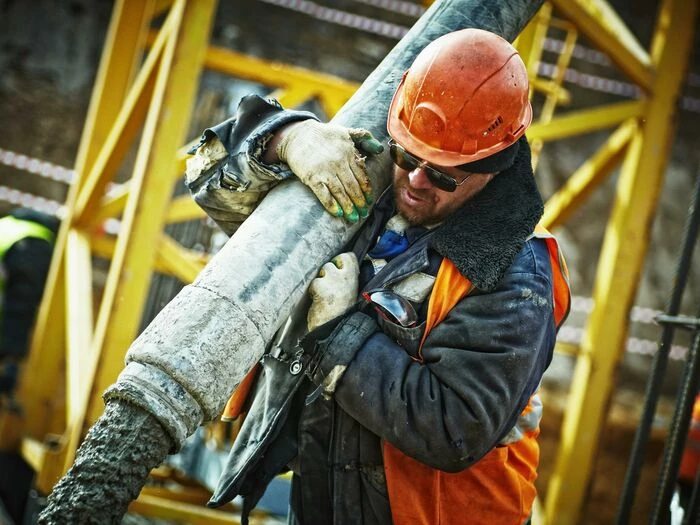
(392, 307)
(404, 160)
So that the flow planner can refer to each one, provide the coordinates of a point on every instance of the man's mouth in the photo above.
(411, 198)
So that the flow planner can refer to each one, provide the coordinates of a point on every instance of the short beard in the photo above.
(414, 217)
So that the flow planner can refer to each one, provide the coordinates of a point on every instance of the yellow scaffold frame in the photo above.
(151, 95)
(71, 350)
(643, 143)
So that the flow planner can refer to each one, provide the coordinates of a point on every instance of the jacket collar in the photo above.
(484, 236)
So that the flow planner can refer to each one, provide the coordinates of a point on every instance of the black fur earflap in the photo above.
(483, 237)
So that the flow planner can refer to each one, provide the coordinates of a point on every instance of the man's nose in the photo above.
(418, 178)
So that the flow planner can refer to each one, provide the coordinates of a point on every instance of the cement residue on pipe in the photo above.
(110, 468)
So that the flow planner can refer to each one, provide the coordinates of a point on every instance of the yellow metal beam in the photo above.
(548, 87)
(601, 24)
(111, 206)
(43, 409)
(121, 136)
(332, 102)
(568, 349)
(33, 452)
(552, 99)
(80, 322)
(192, 495)
(168, 509)
(619, 267)
(294, 96)
(183, 264)
(103, 246)
(161, 6)
(151, 188)
(276, 73)
(301, 83)
(550, 103)
(530, 41)
(121, 58)
(52, 465)
(587, 120)
(78, 343)
(183, 209)
(40, 392)
(588, 177)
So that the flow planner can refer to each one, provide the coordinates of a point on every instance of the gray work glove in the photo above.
(326, 159)
(334, 291)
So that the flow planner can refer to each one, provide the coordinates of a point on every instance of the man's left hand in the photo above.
(334, 291)
(328, 159)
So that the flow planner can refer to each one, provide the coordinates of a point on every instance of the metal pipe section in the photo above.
(214, 330)
(660, 362)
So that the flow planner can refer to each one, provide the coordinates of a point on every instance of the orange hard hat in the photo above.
(464, 98)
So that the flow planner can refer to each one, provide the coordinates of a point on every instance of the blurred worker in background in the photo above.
(690, 461)
(429, 335)
(26, 245)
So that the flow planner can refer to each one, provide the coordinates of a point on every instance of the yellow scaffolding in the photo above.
(647, 137)
(149, 97)
(145, 89)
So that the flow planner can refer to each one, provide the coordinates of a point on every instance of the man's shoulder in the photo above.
(532, 259)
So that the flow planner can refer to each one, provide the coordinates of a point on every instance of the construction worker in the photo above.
(26, 245)
(429, 335)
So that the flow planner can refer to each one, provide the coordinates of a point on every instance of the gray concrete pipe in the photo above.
(213, 332)
(183, 367)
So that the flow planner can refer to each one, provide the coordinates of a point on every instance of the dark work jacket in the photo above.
(479, 368)
(26, 265)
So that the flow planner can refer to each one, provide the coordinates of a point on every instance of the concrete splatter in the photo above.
(110, 469)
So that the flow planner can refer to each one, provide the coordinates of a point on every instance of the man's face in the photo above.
(422, 204)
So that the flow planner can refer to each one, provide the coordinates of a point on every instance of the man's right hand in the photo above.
(325, 157)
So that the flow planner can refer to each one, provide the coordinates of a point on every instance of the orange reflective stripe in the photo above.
(234, 405)
(560, 275)
(500, 487)
(497, 489)
(449, 288)
(690, 462)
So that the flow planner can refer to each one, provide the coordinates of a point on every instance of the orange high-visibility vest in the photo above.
(691, 454)
(500, 487)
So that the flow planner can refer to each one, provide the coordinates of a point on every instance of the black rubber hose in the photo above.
(110, 468)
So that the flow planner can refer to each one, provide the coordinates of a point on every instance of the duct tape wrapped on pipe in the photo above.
(183, 367)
